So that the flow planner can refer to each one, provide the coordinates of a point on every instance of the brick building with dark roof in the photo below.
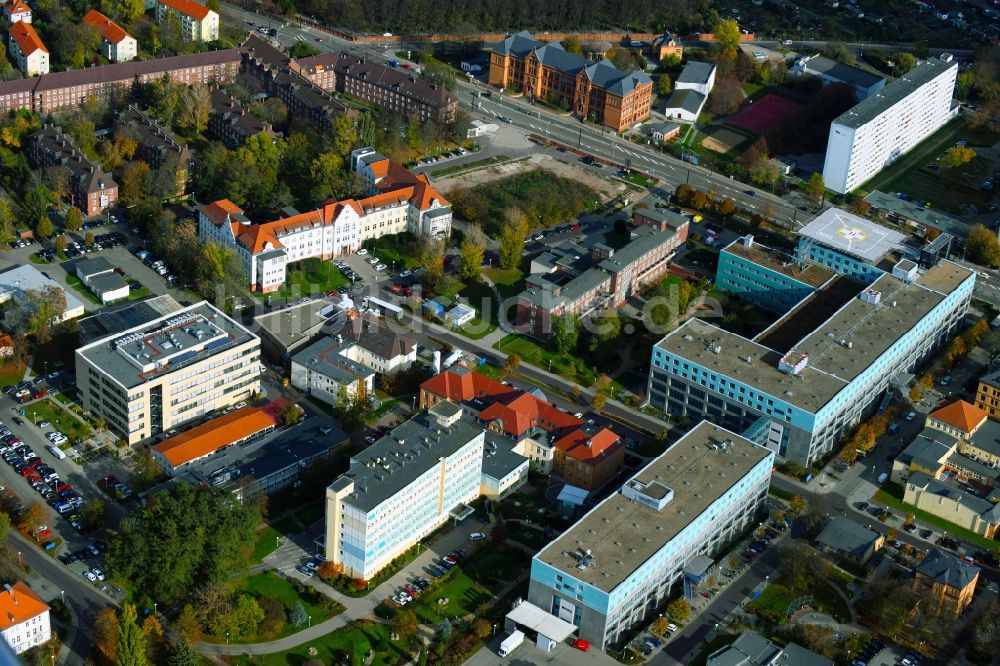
(593, 90)
(90, 189)
(231, 123)
(391, 89)
(155, 144)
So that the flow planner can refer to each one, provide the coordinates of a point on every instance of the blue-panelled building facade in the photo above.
(617, 566)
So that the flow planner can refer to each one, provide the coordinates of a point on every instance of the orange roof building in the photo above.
(239, 427)
(959, 419)
(198, 22)
(15, 11)
(396, 201)
(28, 50)
(24, 618)
(116, 44)
(585, 454)
(6, 346)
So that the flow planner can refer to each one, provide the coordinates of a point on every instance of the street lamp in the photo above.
(766, 579)
(227, 638)
(63, 594)
(310, 621)
(19, 562)
(154, 608)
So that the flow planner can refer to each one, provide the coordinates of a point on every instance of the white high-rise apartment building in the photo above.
(402, 488)
(879, 130)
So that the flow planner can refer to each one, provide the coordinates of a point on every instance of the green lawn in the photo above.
(494, 569)
(398, 251)
(509, 282)
(639, 179)
(311, 277)
(61, 420)
(270, 584)
(334, 647)
(383, 409)
(940, 523)
(78, 286)
(67, 397)
(310, 513)
(464, 596)
(480, 297)
(532, 352)
(136, 294)
(265, 543)
(775, 598)
(751, 89)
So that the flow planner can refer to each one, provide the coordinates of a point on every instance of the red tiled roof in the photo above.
(960, 414)
(462, 384)
(16, 7)
(188, 7)
(6, 342)
(602, 444)
(214, 434)
(110, 30)
(18, 604)
(400, 181)
(524, 411)
(27, 39)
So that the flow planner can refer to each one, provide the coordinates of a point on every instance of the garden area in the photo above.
(531, 351)
(310, 277)
(11, 373)
(541, 194)
(269, 585)
(68, 424)
(348, 645)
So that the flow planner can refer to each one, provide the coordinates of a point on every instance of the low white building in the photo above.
(397, 201)
(99, 276)
(460, 315)
(697, 76)
(18, 283)
(197, 22)
(27, 49)
(685, 104)
(24, 618)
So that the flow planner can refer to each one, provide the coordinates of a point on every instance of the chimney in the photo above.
(10, 591)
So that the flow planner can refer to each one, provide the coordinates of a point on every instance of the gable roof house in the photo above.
(16, 10)
(27, 49)
(116, 44)
(592, 90)
(91, 189)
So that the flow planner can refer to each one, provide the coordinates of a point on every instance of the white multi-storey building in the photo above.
(27, 49)
(879, 130)
(197, 22)
(17, 10)
(402, 488)
(151, 378)
(24, 618)
(617, 566)
(116, 44)
(398, 201)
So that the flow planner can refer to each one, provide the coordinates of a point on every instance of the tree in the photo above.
(909, 519)
(328, 570)
(926, 381)
(679, 609)
(130, 648)
(659, 626)
(728, 36)
(60, 244)
(303, 50)
(213, 5)
(982, 246)
(106, 633)
(903, 62)
(148, 551)
(94, 514)
(74, 219)
(245, 616)
(153, 631)
(797, 504)
(44, 227)
(405, 623)
(132, 184)
(663, 85)
(512, 236)
(565, 332)
(816, 188)
(472, 250)
(444, 629)
(572, 45)
(188, 625)
(598, 402)
(194, 108)
(849, 454)
(725, 98)
(956, 156)
(512, 363)
(184, 655)
(129, 10)
(727, 208)
(297, 615)
(915, 393)
(290, 415)
(89, 238)
(431, 258)
(36, 516)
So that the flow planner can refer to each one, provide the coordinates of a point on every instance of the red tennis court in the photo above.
(763, 114)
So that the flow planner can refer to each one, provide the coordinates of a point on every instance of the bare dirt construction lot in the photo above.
(605, 187)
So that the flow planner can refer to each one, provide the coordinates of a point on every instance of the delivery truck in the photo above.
(510, 643)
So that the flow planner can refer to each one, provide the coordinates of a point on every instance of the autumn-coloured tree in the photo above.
(106, 633)
(849, 454)
(915, 393)
(34, 517)
(797, 504)
(679, 609)
(328, 570)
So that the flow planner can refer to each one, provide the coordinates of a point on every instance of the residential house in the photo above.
(662, 132)
(945, 584)
(595, 91)
(24, 618)
(16, 10)
(90, 189)
(666, 46)
(850, 541)
(116, 44)
(195, 21)
(959, 419)
(27, 49)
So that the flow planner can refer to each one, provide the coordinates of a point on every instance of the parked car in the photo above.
(477, 536)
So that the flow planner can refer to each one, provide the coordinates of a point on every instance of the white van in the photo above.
(56, 452)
